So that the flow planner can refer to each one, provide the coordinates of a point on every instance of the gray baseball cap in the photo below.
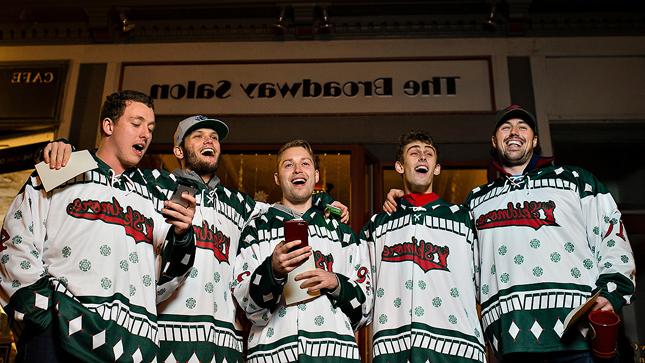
(186, 126)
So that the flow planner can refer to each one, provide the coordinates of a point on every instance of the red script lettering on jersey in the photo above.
(136, 225)
(426, 255)
(529, 214)
(207, 236)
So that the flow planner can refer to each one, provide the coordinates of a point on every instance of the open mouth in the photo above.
(208, 152)
(514, 144)
(139, 148)
(421, 169)
(299, 181)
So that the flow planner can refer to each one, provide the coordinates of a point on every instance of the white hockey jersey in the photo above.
(547, 241)
(82, 257)
(425, 307)
(318, 330)
(198, 322)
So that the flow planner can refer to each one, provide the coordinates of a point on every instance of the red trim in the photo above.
(421, 199)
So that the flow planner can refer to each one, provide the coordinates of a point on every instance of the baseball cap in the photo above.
(515, 111)
(187, 125)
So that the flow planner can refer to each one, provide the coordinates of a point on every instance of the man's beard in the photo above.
(201, 166)
(297, 197)
(506, 160)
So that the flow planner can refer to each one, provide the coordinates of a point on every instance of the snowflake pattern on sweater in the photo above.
(83, 258)
(321, 329)
(547, 241)
(198, 322)
(425, 306)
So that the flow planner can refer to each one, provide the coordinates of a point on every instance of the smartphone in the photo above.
(296, 229)
(181, 188)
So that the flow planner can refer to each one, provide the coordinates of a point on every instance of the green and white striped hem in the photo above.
(421, 339)
(199, 332)
(532, 300)
(119, 312)
(319, 347)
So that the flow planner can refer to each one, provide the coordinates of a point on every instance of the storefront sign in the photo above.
(316, 87)
(31, 91)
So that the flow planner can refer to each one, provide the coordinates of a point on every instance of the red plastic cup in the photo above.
(604, 332)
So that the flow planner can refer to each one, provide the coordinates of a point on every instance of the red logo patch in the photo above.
(426, 255)
(207, 236)
(136, 225)
(324, 262)
(529, 214)
(621, 231)
(243, 275)
(361, 275)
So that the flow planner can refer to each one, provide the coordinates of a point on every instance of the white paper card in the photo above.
(79, 162)
(576, 314)
(293, 294)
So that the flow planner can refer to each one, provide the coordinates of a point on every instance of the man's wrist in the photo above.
(335, 293)
(181, 238)
(277, 277)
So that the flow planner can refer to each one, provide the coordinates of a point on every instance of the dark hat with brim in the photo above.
(188, 125)
(515, 111)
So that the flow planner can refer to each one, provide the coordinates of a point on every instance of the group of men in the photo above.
(546, 238)
(78, 284)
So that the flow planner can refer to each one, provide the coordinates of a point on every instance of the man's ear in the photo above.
(317, 174)
(399, 167)
(493, 141)
(535, 141)
(275, 178)
(437, 169)
(179, 152)
(107, 125)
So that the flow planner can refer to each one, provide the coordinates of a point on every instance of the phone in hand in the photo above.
(296, 229)
(181, 188)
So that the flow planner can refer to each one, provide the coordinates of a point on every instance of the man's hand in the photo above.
(602, 304)
(344, 216)
(283, 261)
(318, 279)
(390, 200)
(56, 154)
(179, 216)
